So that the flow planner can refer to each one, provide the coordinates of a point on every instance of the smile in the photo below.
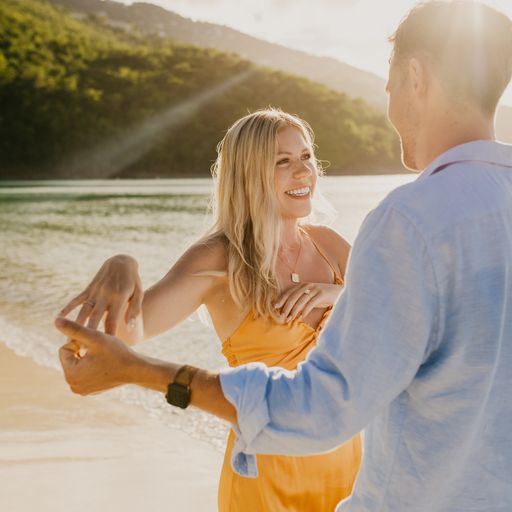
(299, 192)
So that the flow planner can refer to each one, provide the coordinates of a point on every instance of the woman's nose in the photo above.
(304, 168)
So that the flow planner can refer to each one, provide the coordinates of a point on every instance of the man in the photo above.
(418, 349)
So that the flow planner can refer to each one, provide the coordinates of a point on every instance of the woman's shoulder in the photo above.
(327, 237)
(207, 256)
(333, 246)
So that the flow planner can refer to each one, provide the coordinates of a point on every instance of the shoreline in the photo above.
(64, 452)
(15, 182)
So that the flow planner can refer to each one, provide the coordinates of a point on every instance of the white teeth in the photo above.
(299, 191)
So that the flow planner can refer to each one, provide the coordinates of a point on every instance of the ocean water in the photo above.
(54, 235)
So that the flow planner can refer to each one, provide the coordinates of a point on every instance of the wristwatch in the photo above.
(178, 391)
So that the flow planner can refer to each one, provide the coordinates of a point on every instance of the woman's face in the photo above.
(295, 173)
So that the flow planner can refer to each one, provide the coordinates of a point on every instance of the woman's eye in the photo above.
(284, 161)
(306, 156)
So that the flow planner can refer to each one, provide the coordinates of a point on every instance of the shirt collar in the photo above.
(487, 151)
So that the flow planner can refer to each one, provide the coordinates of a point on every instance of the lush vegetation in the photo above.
(76, 95)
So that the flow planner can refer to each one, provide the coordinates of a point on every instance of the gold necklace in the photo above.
(294, 276)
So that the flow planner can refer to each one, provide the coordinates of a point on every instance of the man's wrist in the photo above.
(206, 391)
(150, 373)
(179, 389)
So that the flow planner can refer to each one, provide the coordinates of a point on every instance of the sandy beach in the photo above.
(63, 452)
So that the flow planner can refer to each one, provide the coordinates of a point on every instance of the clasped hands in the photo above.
(94, 361)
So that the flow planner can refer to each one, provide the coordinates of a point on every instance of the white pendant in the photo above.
(295, 277)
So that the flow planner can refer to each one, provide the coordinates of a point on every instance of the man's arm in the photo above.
(109, 363)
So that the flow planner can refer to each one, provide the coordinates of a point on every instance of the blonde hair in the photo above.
(245, 208)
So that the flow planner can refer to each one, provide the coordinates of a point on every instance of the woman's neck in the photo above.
(290, 235)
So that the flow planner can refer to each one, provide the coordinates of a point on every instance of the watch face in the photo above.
(178, 395)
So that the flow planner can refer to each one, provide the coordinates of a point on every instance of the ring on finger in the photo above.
(90, 303)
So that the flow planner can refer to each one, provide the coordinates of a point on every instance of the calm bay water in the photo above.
(54, 235)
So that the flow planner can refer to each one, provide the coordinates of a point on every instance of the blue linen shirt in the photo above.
(417, 350)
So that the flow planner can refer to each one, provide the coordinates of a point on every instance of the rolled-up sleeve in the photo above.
(379, 333)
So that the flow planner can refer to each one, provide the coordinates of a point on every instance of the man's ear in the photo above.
(419, 77)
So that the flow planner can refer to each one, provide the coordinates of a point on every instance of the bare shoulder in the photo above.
(327, 237)
(335, 247)
(206, 257)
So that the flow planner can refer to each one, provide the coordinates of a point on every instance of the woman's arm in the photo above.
(188, 284)
(178, 294)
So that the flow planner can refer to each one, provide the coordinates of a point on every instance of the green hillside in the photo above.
(150, 19)
(78, 99)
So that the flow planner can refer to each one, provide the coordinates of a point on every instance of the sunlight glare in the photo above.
(110, 157)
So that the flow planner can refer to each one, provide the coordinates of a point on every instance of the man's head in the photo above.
(453, 54)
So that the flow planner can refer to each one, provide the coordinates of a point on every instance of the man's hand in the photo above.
(107, 363)
(114, 290)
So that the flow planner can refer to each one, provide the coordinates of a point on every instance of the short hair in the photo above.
(469, 43)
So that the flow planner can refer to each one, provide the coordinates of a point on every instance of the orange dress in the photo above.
(284, 483)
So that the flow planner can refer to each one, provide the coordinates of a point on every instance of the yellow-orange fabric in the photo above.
(284, 483)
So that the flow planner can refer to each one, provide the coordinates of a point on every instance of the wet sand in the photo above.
(63, 452)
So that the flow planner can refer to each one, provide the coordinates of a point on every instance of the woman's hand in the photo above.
(300, 300)
(116, 288)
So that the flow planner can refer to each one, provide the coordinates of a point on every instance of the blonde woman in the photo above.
(268, 281)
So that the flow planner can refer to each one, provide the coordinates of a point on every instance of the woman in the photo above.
(268, 282)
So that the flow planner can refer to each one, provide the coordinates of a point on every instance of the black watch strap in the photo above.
(178, 391)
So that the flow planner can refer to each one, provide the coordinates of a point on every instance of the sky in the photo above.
(353, 31)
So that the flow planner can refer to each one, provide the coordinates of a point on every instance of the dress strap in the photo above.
(337, 278)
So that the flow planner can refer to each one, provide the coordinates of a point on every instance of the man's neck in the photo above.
(448, 131)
